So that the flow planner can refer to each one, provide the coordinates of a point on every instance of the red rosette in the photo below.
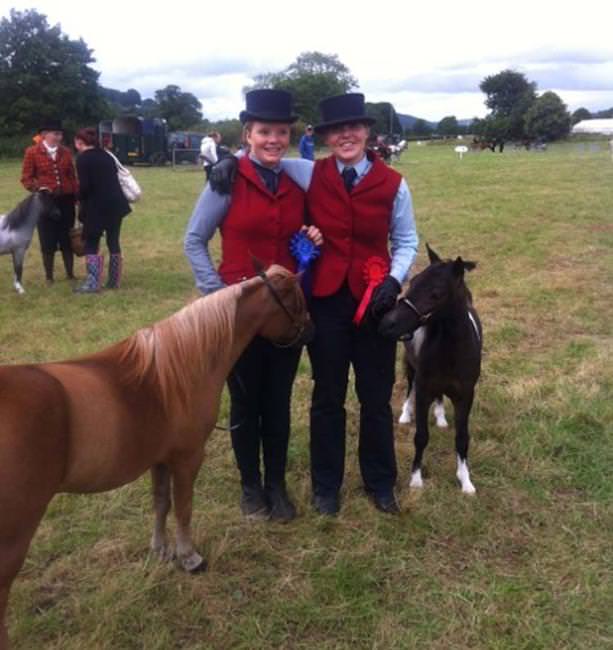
(375, 270)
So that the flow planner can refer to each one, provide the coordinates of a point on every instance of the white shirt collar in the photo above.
(51, 150)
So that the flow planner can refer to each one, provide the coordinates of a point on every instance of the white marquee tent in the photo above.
(594, 126)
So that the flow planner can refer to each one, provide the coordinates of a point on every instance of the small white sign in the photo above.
(461, 150)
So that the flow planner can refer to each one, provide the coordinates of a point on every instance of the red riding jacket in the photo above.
(40, 170)
(259, 223)
(355, 226)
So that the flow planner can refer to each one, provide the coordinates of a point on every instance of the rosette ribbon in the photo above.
(375, 269)
(304, 252)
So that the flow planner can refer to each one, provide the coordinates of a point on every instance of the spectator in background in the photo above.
(49, 164)
(103, 206)
(208, 151)
(307, 144)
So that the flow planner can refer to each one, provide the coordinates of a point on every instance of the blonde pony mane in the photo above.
(172, 352)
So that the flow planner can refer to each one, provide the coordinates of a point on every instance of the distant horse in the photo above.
(448, 359)
(148, 402)
(17, 227)
(397, 149)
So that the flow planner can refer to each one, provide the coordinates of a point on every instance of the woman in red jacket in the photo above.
(259, 217)
(49, 164)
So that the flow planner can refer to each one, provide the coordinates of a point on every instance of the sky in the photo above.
(427, 58)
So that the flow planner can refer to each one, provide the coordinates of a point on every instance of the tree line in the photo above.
(44, 73)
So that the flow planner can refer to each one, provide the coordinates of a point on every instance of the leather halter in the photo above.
(300, 327)
(422, 318)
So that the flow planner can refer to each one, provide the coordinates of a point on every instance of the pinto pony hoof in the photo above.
(417, 481)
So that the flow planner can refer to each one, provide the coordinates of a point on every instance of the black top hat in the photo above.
(51, 125)
(342, 109)
(268, 105)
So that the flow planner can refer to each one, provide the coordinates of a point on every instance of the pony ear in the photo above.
(258, 265)
(459, 266)
(432, 255)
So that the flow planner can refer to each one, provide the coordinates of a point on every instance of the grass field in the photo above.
(527, 563)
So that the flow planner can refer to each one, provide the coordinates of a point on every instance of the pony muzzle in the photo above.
(399, 323)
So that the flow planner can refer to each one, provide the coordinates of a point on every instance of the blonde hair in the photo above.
(174, 351)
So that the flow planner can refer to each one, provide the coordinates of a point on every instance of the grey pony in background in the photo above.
(17, 228)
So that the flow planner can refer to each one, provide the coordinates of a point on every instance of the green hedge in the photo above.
(13, 146)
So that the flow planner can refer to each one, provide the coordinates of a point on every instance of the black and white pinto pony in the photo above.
(444, 356)
(17, 228)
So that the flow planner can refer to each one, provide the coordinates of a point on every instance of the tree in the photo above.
(580, 114)
(44, 74)
(548, 118)
(310, 78)
(181, 110)
(606, 114)
(448, 126)
(509, 96)
(421, 127)
(386, 116)
(122, 102)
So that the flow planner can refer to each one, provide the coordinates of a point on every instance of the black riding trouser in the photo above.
(54, 227)
(260, 389)
(337, 344)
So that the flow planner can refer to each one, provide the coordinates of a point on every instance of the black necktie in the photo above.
(270, 178)
(349, 175)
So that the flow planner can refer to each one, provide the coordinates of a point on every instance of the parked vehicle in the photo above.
(186, 146)
(136, 139)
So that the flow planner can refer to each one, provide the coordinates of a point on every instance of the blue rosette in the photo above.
(304, 252)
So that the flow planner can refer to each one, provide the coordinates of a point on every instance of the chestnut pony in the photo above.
(148, 402)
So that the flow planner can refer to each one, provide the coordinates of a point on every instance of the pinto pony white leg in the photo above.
(416, 479)
(407, 408)
(439, 414)
(463, 476)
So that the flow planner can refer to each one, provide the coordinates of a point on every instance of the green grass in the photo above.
(527, 563)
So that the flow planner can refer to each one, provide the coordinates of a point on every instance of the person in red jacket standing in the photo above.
(260, 216)
(49, 164)
(361, 206)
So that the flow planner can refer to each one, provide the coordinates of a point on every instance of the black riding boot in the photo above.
(48, 264)
(68, 257)
(281, 507)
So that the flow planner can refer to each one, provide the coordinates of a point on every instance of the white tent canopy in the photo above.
(594, 126)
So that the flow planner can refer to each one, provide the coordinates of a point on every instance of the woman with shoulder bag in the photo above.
(103, 206)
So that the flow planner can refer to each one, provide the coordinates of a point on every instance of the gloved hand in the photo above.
(384, 297)
(223, 174)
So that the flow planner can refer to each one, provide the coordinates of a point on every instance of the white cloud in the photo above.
(427, 59)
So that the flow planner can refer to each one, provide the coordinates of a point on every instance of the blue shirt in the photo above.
(403, 233)
(307, 147)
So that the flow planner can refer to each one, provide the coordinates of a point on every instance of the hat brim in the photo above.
(246, 116)
(363, 119)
